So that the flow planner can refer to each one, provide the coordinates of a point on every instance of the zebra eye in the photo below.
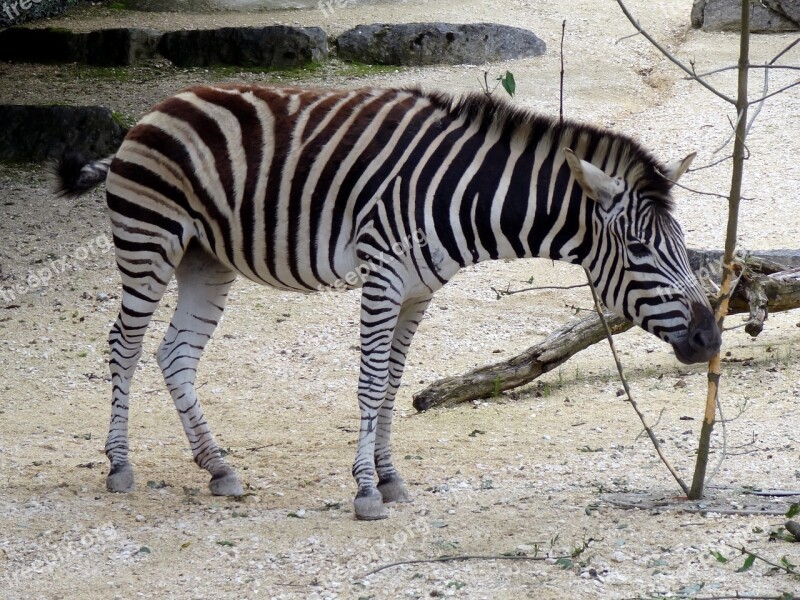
(638, 249)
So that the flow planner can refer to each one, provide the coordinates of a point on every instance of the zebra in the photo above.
(389, 190)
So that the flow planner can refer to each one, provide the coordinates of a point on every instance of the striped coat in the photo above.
(389, 190)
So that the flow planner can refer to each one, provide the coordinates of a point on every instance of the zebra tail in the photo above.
(74, 174)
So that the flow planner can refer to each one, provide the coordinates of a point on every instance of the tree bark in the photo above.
(765, 286)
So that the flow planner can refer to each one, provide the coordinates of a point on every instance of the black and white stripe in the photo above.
(389, 190)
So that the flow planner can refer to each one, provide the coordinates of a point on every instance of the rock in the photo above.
(120, 46)
(437, 43)
(788, 8)
(21, 44)
(14, 13)
(277, 46)
(767, 16)
(37, 133)
(102, 47)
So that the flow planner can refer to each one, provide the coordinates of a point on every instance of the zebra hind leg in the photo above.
(142, 290)
(203, 285)
(390, 484)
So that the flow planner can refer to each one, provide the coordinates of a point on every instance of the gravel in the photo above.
(278, 381)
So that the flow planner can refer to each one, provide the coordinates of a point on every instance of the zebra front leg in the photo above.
(390, 484)
(380, 308)
(203, 285)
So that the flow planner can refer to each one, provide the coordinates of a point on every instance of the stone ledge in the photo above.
(108, 47)
(437, 43)
(37, 133)
(276, 46)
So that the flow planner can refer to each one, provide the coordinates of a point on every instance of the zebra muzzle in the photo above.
(703, 339)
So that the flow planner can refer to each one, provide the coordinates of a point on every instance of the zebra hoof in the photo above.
(394, 490)
(226, 483)
(369, 506)
(120, 479)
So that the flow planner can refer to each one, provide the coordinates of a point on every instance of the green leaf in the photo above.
(565, 563)
(719, 556)
(787, 565)
(185, 545)
(748, 562)
(449, 545)
(509, 85)
(225, 543)
(455, 584)
(793, 511)
(144, 550)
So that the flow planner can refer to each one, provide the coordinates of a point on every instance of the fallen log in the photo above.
(766, 285)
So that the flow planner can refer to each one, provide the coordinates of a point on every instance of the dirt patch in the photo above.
(528, 473)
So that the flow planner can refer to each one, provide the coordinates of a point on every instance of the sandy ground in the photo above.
(532, 473)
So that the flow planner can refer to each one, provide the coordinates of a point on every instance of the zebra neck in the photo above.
(551, 219)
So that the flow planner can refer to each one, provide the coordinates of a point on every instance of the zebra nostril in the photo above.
(704, 335)
(699, 339)
(703, 338)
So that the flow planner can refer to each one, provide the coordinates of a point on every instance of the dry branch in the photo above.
(765, 286)
(524, 368)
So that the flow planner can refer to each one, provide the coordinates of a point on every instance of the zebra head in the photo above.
(639, 264)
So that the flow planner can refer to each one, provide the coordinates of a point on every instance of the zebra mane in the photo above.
(499, 113)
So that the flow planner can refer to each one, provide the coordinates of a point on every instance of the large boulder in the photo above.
(102, 47)
(437, 43)
(14, 12)
(276, 46)
(767, 16)
(37, 133)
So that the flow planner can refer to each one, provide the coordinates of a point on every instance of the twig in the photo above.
(509, 292)
(701, 193)
(742, 409)
(735, 597)
(724, 452)
(672, 58)
(730, 137)
(785, 50)
(709, 165)
(658, 420)
(760, 105)
(784, 568)
(626, 37)
(775, 93)
(768, 66)
(485, 84)
(740, 512)
(627, 388)
(744, 512)
(441, 559)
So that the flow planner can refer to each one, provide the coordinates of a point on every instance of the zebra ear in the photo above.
(596, 184)
(677, 168)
